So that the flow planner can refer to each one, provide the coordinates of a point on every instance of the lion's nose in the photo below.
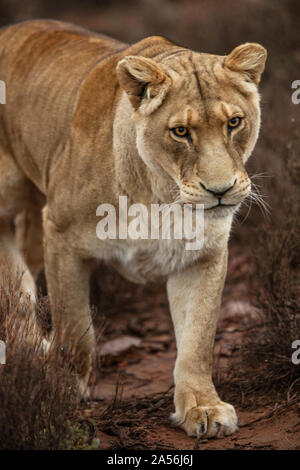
(218, 191)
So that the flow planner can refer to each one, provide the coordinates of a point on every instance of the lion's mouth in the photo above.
(217, 207)
(220, 204)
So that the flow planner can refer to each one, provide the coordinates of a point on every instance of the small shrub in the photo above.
(37, 392)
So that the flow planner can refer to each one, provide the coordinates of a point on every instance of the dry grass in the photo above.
(38, 399)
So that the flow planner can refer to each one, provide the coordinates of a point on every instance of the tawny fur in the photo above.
(88, 119)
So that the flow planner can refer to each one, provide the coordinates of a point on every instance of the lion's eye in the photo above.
(234, 122)
(180, 131)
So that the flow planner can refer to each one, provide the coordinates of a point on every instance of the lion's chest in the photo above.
(145, 260)
(141, 262)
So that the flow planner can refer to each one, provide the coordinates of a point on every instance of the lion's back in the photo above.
(59, 77)
(43, 63)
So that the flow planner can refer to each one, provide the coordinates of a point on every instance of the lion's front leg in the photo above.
(68, 278)
(195, 297)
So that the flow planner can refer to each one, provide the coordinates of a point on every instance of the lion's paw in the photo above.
(210, 421)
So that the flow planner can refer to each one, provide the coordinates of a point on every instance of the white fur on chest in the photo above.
(144, 260)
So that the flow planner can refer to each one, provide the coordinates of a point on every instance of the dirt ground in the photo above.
(132, 384)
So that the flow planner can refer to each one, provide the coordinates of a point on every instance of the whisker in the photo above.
(248, 211)
(177, 199)
(257, 198)
(261, 175)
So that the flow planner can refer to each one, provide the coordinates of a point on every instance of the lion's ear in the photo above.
(249, 58)
(144, 81)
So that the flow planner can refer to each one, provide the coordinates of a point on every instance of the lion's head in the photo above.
(197, 119)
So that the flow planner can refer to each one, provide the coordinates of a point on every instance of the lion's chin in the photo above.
(221, 210)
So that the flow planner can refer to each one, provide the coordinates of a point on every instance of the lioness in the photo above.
(88, 119)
